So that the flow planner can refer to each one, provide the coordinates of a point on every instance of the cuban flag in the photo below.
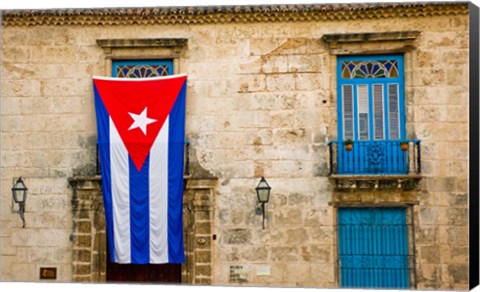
(141, 134)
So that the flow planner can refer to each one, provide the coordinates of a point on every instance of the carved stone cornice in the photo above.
(142, 43)
(230, 14)
(367, 43)
(334, 39)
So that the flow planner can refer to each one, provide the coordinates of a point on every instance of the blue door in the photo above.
(371, 112)
(373, 248)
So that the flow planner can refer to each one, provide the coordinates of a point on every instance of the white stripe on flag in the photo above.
(159, 197)
(120, 201)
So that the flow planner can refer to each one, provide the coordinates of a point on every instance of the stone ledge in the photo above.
(142, 43)
(363, 182)
(85, 182)
(371, 43)
(370, 37)
(373, 204)
(207, 183)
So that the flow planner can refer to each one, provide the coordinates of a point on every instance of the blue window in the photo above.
(371, 112)
(371, 97)
(373, 248)
(142, 68)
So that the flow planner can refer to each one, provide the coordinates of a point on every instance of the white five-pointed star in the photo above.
(141, 121)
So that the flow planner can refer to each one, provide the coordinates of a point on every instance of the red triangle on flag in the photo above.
(138, 109)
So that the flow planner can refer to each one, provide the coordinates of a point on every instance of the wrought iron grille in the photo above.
(376, 248)
(377, 157)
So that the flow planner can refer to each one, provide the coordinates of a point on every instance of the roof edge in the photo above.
(229, 14)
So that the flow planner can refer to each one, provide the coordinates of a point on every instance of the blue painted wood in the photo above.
(373, 248)
(372, 156)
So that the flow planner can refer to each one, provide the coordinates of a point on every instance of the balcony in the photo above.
(375, 164)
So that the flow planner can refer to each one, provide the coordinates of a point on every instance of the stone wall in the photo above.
(45, 241)
(261, 102)
(89, 234)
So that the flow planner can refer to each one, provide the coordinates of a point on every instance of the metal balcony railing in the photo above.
(380, 157)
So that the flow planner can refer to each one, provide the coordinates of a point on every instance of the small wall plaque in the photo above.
(263, 270)
(48, 273)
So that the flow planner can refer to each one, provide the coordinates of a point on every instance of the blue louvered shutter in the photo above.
(394, 111)
(348, 121)
(378, 111)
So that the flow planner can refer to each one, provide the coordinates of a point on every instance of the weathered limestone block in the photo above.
(426, 234)
(292, 136)
(280, 82)
(252, 83)
(453, 254)
(263, 46)
(323, 275)
(295, 236)
(322, 234)
(458, 273)
(21, 88)
(454, 216)
(317, 253)
(310, 81)
(288, 217)
(429, 276)
(453, 199)
(282, 119)
(314, 217)
(429, 254)
(284, 254)
(297, 273)
(453, 235)
(274, 64)
(429, 77)
(306, 63)
(254, 254)
(40, 237)
(17, 54)
(428, 216)
(53, 55)
(238, 236)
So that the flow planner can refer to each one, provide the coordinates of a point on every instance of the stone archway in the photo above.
(89, 236)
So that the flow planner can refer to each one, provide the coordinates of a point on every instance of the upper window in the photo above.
(370, 91)
(142, 68)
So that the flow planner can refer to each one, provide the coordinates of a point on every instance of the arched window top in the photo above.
(369, 69)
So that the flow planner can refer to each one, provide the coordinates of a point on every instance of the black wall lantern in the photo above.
(19, 192)
(263, 195)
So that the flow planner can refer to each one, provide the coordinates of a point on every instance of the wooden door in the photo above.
(166, 273)
(149, 273)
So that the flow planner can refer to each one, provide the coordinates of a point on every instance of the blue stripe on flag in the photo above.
(139, 213)
(175, 178)
(103, 128)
